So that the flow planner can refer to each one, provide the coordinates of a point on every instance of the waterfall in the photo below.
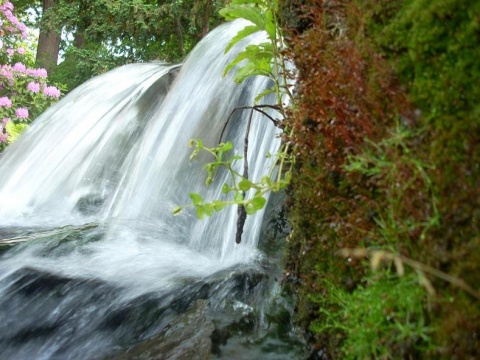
(97, 176)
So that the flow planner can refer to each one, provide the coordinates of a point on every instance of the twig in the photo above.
(242, 214)
(256, 108)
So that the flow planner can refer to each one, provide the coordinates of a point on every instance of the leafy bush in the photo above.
(24, 91)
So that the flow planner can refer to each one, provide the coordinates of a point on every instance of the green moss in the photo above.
(386, 130)
(434, 48)
(383, 318)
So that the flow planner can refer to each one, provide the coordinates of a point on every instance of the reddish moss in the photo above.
(423, 201)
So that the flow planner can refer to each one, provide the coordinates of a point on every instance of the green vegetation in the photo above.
(91, 37)
(239, 184)
(108, 34)
(383, 318)
(386, 129)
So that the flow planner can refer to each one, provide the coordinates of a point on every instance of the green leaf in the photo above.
(240, 57)
(247, 30)
(264, 93)
(241, 2)
(226, 146)
(238, 197)
(205, 210)
(258, 62)
(245, 185)
(250, 70)
(210, 167)
(258, 202)
(218, 205)
(255, 204)
(247, 12)
(209, 209)
(267, 180)
(226, 189)
(270, 25)
(196, 199)
(198, 143)
(201, 212)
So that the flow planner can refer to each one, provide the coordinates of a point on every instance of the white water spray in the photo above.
(114, 152)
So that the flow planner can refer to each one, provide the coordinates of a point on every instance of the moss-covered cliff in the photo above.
(388, 161)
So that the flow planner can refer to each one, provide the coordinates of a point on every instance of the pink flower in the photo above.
(21, 113)
(37, 72)
(10, 52)
(21, 51)
(20, 67)
(23, 28)
(3, 137)
(5, 101)
(33, 86)
(5, 121)
(6, 71)
(51, 91)
(7, 5)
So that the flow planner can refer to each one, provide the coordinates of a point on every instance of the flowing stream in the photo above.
(100, 265)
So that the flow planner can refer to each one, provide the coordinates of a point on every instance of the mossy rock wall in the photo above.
(387, 139)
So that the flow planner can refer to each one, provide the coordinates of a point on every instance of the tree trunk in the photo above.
(206, 24)
(180, 36)
(48, 42)
(83, 23)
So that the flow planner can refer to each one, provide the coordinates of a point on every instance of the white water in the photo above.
(121, 139)
(114, 153)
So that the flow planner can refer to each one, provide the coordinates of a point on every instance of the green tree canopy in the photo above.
(102, 34)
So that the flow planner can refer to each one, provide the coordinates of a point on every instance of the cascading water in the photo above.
(94, 181)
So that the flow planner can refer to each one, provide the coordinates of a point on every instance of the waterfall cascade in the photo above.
(94, 182)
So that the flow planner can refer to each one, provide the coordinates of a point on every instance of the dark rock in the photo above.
(187, 337)
(89, 204)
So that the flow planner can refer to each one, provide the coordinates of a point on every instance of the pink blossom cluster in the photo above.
(7, 10)
(21, 113)
(33, 87)
(8, 71)
(5, 102)
(51, 91)
(24, 92)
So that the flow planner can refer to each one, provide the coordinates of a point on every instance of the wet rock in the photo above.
(186, 338)
(90, 204)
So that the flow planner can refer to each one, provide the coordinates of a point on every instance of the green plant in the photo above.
(382, 319)
(393, 164)
(24, 91)
(264, 59)
(239, 184)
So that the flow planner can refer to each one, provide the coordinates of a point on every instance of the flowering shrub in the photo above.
(24, 93)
